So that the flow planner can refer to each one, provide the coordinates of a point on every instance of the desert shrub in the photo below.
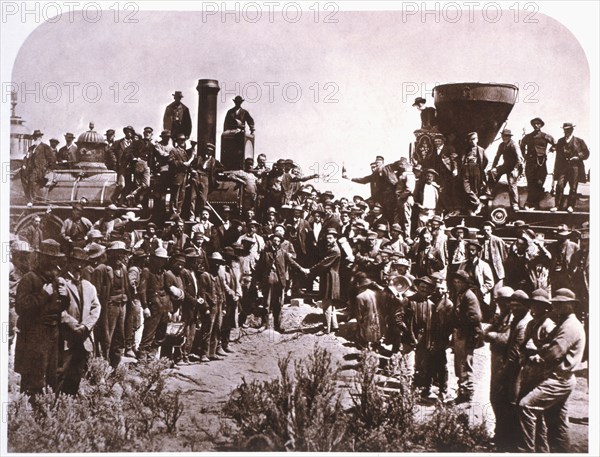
(116, 410)
(298, 411)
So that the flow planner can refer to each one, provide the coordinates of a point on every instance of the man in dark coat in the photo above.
(448, 175)
(568, 167)
(40, 299)
(534, 147)
(177, 118)
(38, 161)
(511, 162)
(237, 118)
(467, 335)
(329, 269)
(474, 163)
(118, 159)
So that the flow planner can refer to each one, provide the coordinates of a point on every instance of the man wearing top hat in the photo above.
(77, 322)
(38, 161)
(177, 118)
(40, 299)
(512, 163)
(67, 155)
(560, 357)
(237, 118)
(568, 167)
(534, 147)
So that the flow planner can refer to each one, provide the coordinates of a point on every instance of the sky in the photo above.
(324, 94)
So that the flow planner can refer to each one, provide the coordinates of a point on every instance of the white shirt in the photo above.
(429, 196)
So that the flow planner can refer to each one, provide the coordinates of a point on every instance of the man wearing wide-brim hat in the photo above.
(534, 148)
(562, 250)
(77, 322)
(39, 301)
(177, 117)
(512, 166)
(237, 117)
(156, 303)
(569, 167)
(561, 358)
(467, 334)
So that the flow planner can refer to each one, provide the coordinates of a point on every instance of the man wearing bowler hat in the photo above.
(38, 161)
(237, 118)
(67, 155)
(534, 147)
(177, 118)
(568, 167)
(40, 299)
(560, 357)
(512, 166)
(428, 114)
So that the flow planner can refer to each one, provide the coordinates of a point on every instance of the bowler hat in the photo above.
(54, 140)
(110, 132)
(418, 101)
(568, 125)
(177, 94)
(238, 99)
(128, 127)
(395, 228)
(50, 248)
(506, 132)
(537, 120)
(37, 133)
(332, 231)
(69, 135)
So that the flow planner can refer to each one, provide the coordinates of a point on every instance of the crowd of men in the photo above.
(109, 289)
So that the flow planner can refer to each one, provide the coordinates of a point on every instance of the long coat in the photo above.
(496, 255)
(36, 351)
(83, 310)
(38, 161)
(329, 269)
(177, 122)
(564, 151)
(367, 315)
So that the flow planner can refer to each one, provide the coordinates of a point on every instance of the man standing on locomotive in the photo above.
(534, 147)
(177, 118)
(512, 163)
(568, 168)
(474, 163)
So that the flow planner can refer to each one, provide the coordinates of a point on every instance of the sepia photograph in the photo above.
(326, 226)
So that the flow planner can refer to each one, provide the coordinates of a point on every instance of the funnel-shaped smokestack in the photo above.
(473, 107)
(207, 112)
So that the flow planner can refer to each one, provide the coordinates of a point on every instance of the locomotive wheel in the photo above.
(499, 216)
(51, 224)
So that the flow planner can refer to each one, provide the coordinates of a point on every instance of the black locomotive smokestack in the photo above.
(207, 112)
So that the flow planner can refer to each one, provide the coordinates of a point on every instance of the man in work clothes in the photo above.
(534, 147)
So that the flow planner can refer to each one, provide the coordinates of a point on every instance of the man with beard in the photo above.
(474, 163)
(156, 302)
(328, 268)
(179, 164)
(112, 319)
(568, 168)
(427, 259)
(467, 334)
(177, 117)
(38, 161)
(449, 176)
(40, 299)
(481, 276)
(118, 161)
(534, 147)
(77, 323)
